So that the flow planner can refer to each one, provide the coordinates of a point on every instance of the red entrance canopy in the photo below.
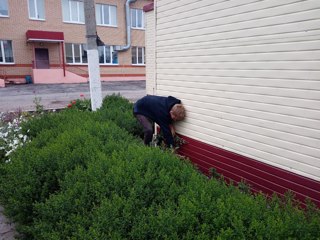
(44, 36)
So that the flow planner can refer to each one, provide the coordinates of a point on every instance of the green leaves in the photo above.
(120, 111)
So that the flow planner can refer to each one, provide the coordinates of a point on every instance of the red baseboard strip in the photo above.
(260, 176)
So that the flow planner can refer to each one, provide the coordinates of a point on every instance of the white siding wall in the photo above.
(248, 72)
(150, 52)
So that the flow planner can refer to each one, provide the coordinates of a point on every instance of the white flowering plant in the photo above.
(11, 136)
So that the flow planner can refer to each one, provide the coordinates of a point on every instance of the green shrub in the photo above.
(61, 142)
(136, 174)
(120, 111)
(143, 193)
(56, 121)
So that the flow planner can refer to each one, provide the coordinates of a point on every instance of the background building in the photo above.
(45, 39)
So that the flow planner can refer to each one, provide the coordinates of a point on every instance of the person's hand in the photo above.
(173, 131)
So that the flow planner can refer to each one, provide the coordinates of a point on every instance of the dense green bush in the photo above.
(56, 121)
(120, 110)
(143, 193)
(132, 173)
(60, 143)
(83, 177)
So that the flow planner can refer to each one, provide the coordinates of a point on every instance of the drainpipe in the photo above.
(128, 27)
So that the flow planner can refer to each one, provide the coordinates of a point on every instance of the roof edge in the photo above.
(49, 36)
(149, 7)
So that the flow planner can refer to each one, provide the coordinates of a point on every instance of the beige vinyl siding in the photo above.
(150, 52)
(248, 72)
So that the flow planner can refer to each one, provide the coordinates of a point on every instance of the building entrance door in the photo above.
(42, 58)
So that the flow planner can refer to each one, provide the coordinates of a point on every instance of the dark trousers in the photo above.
(147, 128)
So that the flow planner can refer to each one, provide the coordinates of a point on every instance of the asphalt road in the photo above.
(56, 96)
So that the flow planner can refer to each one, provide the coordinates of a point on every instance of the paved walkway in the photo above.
(7, 230)
(55, 96)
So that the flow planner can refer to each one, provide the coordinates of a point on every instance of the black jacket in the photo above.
(158, 109)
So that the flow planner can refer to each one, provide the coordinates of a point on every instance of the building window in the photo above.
(76, 53)
(106, 15)
(36, 9)
(4, 8)
(137, 18)
(138, 56)
(73, 11)
(107, 55)
(6, 53)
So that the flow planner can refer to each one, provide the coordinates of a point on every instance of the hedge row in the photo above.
(120, 111)
(84, 177)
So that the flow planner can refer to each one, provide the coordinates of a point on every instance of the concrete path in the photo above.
(55, 96)
(7, 230)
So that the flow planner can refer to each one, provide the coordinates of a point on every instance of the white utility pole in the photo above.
(93, 56)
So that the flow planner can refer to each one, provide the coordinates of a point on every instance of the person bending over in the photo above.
(163, 111)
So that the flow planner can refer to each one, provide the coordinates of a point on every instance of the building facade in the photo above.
(248, 73)
(45, 40)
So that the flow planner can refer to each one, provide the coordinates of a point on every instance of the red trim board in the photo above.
(74, 65)
(15, 65)
(115, 75)
(86, 75)
(45, 36)
(260, 176)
